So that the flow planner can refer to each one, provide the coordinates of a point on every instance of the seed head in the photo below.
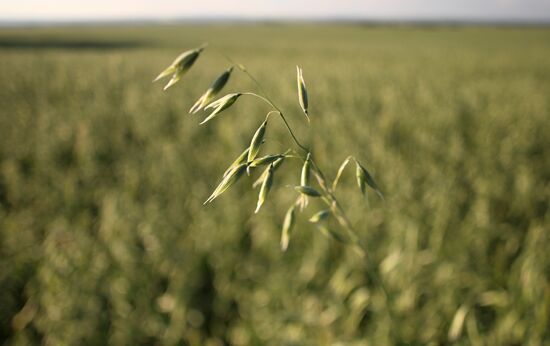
(265, 160)
(256, 141)
(304, 178)
(340, 171)
(302, 92)
(179, 66)
(221, 105)
(238, 161)
(276, 165)
(212, 91)
(288, 224)
(320, 216)
(364, 179)
(308, 191)
(304, 181)
(229, 179)
(266, 186)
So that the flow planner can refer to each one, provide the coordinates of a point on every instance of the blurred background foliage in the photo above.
(104, 238)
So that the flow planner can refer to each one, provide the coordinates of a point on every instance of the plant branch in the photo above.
(277, 109)
(327, 191)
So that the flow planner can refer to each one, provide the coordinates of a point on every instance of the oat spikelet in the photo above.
(238, 161)
(220, 105)
(302, 92)
(256, 141)
(227, 181)
(260, 180)
(212, 91)
(266, 187)
(179, 66)
(304, 181)
(364, 178)
(308, 191)
(288, 225)
(320, 216)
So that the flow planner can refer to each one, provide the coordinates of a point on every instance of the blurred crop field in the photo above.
(104, 238)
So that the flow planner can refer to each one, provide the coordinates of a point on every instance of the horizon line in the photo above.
(5, 22)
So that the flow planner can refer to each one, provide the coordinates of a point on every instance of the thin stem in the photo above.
(258, 84)
(266, 100)
(292, 134)
(328, 196)
(271, 103)
(343, 220)
(269, 113)
(331, 202)
(225, 57)
(243, 69)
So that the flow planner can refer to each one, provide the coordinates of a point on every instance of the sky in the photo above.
(109, 10)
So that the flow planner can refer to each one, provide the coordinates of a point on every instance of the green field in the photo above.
(104, 238)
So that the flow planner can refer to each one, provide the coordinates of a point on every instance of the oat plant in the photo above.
(250, 159)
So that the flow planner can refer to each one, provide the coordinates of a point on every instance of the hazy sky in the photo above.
(11, 10)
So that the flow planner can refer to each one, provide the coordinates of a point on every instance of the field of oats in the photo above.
(104, 238)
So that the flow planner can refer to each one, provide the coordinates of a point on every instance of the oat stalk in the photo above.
(250, 159)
